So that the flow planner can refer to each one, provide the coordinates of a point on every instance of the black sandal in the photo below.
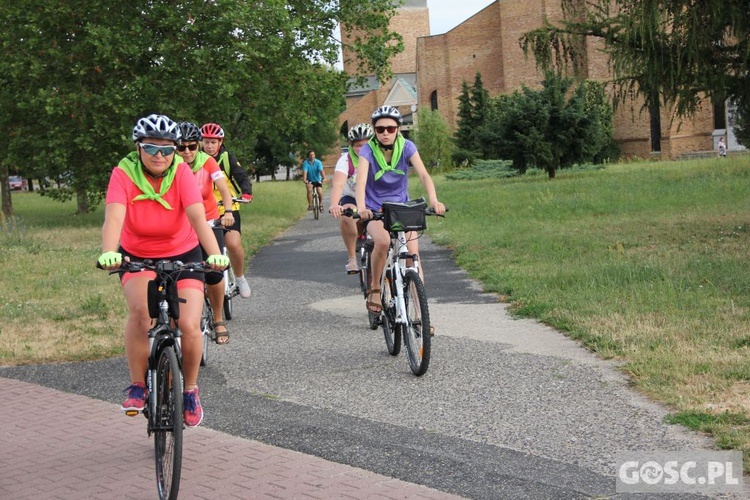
(221, 335)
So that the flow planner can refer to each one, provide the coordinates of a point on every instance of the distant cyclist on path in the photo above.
(313, 176)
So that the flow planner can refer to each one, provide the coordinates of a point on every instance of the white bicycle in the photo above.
(405, 311)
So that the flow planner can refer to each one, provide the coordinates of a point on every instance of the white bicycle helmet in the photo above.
(387, 112)
(359, 132)
(157, 127)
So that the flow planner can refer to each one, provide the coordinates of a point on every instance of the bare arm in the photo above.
(339, 179)
(429, 186)
(114, 218)
(196, 214)
(226, 199)
(363, 169)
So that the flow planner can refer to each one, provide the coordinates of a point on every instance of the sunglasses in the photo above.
(390, 128)
(153, 149)
(183, 147)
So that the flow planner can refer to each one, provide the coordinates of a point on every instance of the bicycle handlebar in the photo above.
(350, 212)
(234, 200)
(159, 266)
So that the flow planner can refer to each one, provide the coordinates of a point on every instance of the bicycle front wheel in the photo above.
(168, 424)
(316, 206)
(417, 329)
(391, 329)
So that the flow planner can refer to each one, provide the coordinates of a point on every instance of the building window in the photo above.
(433, 101)
(720, 114)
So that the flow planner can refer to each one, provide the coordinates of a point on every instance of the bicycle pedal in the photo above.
(132, 413)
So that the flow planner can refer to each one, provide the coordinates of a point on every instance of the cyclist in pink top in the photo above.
(154, 210)
(209, 174)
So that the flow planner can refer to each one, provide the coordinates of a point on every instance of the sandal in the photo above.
(374, 307)
(224, 336)
(351, 266)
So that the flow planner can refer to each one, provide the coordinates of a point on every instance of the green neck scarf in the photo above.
(200, 160)
(353, 157)
(133, 168)
(383, 166)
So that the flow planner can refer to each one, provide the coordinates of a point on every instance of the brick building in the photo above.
(431, 70)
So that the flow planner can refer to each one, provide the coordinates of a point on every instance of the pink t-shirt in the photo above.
(209, 172)
(150, 230)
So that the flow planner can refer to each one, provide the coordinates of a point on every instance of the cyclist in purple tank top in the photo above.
(382, 175)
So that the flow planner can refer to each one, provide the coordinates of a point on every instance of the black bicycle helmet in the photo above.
(387, 112)
(156, 127)
(190, 132)
(359, 132)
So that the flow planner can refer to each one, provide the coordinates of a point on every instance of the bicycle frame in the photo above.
(398, 252)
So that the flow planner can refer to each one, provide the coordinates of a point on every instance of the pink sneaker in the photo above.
(191, 403)
(136, 394)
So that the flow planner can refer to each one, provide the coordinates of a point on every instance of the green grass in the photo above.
(56, 306)
(645, 263)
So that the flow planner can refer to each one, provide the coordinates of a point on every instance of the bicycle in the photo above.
(364, 250)
(316, 203)
(164, 380)
(405, 313)
(231, 288)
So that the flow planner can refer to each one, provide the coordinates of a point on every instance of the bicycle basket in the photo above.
(407, 216)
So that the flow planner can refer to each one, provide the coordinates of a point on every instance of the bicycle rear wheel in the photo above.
(417, 330)
(230, 289)
(391, 329)
(207, 328)
(365, 277)
(168, 424)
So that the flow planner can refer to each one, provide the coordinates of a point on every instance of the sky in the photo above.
(447, 14)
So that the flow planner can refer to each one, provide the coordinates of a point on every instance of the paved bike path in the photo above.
(66, 446)
(508, 409)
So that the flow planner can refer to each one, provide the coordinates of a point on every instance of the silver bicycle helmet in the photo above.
(190, 132)
(387, 112)
(359, 132)
(157, 127)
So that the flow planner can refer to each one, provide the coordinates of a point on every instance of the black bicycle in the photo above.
(164, 379)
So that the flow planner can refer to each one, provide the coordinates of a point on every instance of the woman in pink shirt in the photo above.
(209, 174)
(154, 210)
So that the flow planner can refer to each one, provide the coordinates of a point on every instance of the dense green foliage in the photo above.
(75, 75)
(433, 138)
(467, 146)
(675, 52)
(551, 128)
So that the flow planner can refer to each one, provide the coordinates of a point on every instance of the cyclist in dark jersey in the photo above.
(240, 186)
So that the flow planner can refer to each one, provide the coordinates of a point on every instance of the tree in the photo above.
(433, 138)
(555, 127)
(76, 74)
(673, 52)
(472, 111)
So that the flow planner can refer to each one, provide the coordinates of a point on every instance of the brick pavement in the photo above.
(60, 445)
